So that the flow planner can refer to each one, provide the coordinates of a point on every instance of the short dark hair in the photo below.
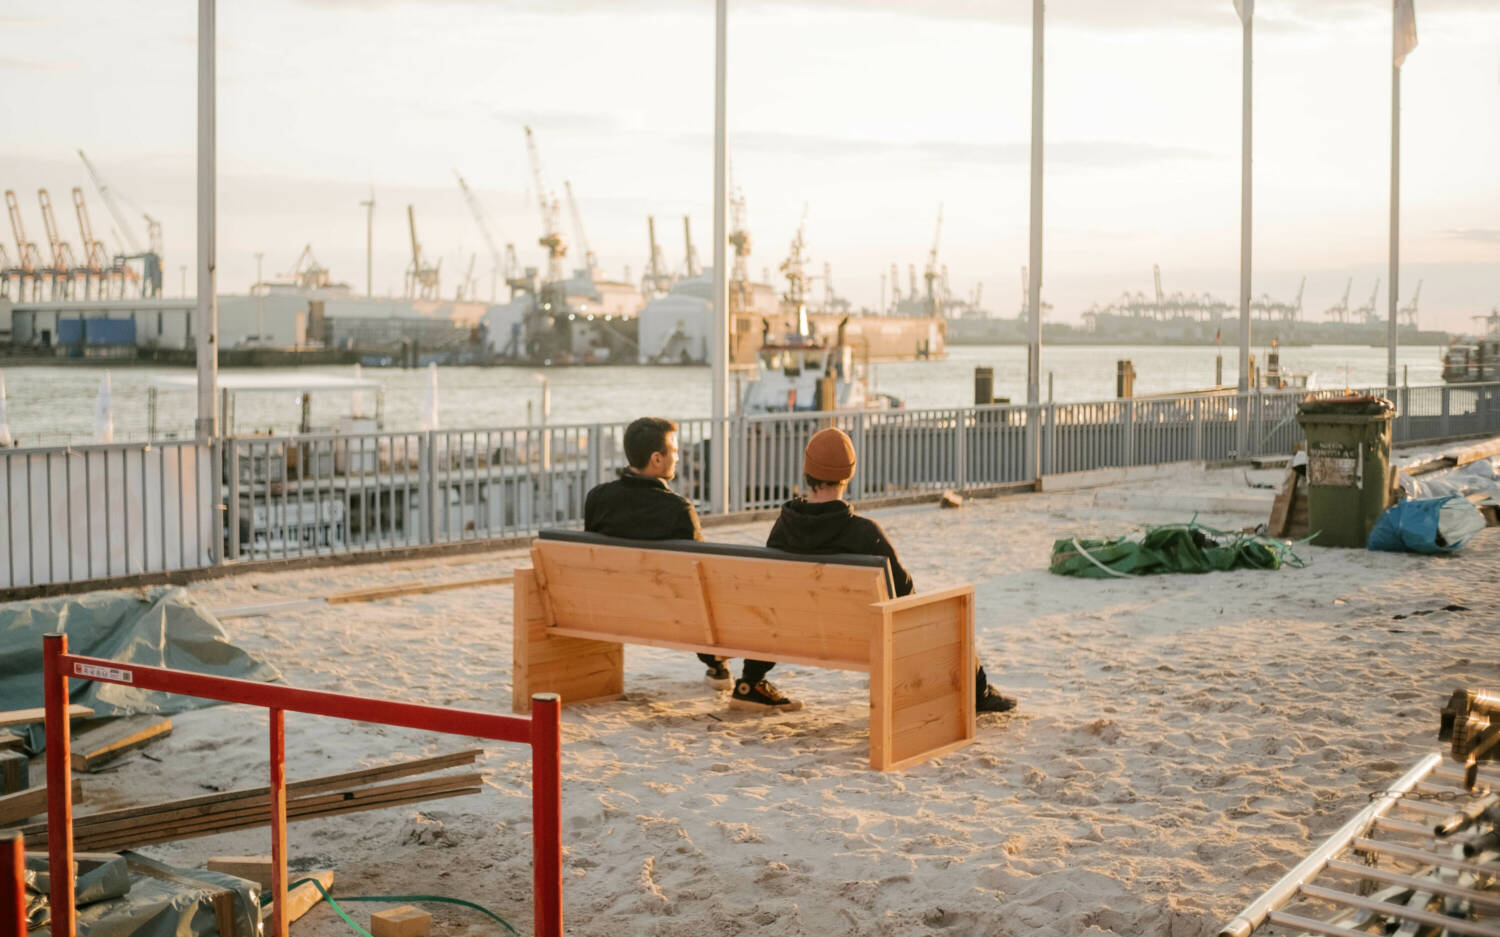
(644, 437)
(813, 484)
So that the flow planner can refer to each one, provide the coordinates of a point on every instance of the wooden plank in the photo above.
(9, 742)
(880, 691)
(710, 633)
(23, 805)
(547, 661)
(539, 572)
(15, 772)
(919, 679)
(920, 728)
(97, 746)
(1281, 505)
(260, 796)
(727, 650)
(303, 898)
(21, 717)
(223, 903)
(252, 868)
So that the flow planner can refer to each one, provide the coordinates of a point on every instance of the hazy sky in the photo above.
(871, 113)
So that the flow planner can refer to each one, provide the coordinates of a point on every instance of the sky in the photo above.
(867, 115)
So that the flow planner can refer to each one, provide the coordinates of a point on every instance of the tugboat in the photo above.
(1477, 360)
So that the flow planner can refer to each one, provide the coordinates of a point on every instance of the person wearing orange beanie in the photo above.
(824, 523)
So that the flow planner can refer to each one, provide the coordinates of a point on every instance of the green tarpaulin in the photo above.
(1174, 548)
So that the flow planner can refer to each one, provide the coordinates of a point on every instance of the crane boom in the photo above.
(551, 238)
(589, 260)
(496, 258)
(127, 234)
(26, 253)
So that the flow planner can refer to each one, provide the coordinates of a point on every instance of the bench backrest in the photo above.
(737, 601)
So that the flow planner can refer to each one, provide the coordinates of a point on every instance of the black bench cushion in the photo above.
(723, 549)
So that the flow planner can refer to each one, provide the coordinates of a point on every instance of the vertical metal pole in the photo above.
(1247, 63)
(1391, 336)
(278, 821)
(13, 884)
(1034, 282)
(59, 785)
(208, 303)
(546, 811)
(718, 455)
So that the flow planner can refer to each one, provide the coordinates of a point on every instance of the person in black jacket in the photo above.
(638, 505)
(824, 523)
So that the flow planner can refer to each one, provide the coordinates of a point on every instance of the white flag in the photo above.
(1245, 8)
(1406, 29)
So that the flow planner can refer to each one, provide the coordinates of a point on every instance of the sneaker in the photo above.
(991, 701)
(718, 677)
(763, 697)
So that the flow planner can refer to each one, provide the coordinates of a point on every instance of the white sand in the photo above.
(1181, 741)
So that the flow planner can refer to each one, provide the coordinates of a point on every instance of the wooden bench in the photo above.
(586, 596)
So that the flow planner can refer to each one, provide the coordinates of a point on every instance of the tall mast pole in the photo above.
(718, 462)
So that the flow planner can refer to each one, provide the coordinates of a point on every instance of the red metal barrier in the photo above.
(12, 885)
(541, 731)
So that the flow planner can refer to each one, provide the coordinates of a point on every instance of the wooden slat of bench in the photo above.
(922, 678)
(723, 650)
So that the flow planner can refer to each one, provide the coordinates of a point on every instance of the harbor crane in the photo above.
(421, 278)
(150, 275)
(895, 287)
(95, 260)
(63, 267)
(1409, 312)
(497, 262)
(307, 273)
(552, 239)
(28, 258)
(590, 262)
(933, 274)
(739, 239)
(794, 267)
(1339, 312)
(694, 267)
(1367, 311)
(656, 278)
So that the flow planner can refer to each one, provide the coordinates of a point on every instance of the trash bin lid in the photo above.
(1350, 405)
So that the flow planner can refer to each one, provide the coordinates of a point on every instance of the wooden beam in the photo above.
(105, 743)
(303, 898)
(22, 717)
(25, 804)
(415, 588)
(710, 633)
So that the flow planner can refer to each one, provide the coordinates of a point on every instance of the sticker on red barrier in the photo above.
(94, 672)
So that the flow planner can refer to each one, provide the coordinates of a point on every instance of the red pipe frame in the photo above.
(542, 731)
(12, 885)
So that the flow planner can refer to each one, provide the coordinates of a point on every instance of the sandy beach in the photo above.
(1181, 740)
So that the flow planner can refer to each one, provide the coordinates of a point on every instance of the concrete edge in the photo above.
(182, 577)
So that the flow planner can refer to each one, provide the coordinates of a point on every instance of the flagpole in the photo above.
(206, 324)
(1391, 336)
(1246, 127)
(718, 462)
(1034, 285)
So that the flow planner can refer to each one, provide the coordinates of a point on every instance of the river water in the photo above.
(52, 405)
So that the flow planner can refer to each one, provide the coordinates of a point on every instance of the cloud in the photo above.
(1481, 235)
(1084, 153)
(559, 121)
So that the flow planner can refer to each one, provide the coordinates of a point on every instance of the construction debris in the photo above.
(405, 921)
(951, 499)
(23, 805)
(116, 737)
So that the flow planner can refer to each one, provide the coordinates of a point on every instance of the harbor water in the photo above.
(55, 405)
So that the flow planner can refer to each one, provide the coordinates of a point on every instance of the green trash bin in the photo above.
(1348, 466)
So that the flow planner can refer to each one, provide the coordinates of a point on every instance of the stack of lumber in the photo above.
(168, 821)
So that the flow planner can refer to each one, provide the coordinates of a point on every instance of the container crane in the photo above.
(693, 264)
(307, 273)
(1340, 311)
(96, 261)
(895, 287)
(552, 239)
(933, 273)
(63, 268)
(1409, 312)
(5, 273)
(590, 262)
(497, 262)
(421, 279)
(656, 278)
(793, 266)
(1367, 311)
(151, 258)
(28, 258)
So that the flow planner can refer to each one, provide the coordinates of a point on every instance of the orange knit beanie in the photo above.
(829, 456)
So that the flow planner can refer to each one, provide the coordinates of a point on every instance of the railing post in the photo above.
(960, 449)
(429, 480)
(59, 785)
(280, 923)
(735, 451)
(233, 468)
(1445, 410)
(596, 456)
(216, 498)
(861, 452)
(1198, 454)
(1127, 414)
(546, 813)
(12, 884)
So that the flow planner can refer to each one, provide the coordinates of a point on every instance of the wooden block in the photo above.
(303, 898)
(951, 499)
(253, 868)
(94, 748)
(404, 921)
(15, 772)
(22, 717)
(9, 742)
(28, 803)
(1281, 506)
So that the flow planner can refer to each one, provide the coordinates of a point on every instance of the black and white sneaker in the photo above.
(763, 697)
(718, 677)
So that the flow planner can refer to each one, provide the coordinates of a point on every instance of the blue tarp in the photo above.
(1426, 525)
(160, 627)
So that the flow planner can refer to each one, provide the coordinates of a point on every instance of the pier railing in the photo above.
(99, 512)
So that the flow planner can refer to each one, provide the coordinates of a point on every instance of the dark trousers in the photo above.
(709, 660)
(755, 670)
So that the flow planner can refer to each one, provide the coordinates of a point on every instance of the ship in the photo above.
(1477, 359)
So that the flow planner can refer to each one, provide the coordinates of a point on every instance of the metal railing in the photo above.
(93, 512)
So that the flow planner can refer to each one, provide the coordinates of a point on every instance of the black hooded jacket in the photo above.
(637, 507)
(833, 527)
